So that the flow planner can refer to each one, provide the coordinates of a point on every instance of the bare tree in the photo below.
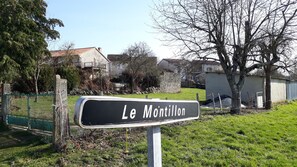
(293, 72)
(39, 61)
(273, 62)
(276, 45)
(226, 31)
(140, 60)
(69, 56)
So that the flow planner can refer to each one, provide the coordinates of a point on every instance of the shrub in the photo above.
(150, 81)
(103, 83)
(71, 74)
(142, 81)
(46, 79)
(23, 85)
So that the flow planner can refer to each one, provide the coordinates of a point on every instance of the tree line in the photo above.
(242, 35)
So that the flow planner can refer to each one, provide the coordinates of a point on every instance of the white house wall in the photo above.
(117, 68)
(278, 90)
(211, 68)
(93, 56)
(217, 83)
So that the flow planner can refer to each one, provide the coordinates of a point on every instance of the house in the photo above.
(84, 58)
(178, 66)
(120, 62)
(199, 68)
(190, 71)
(174, 65)
(202, 66)
(216, 83)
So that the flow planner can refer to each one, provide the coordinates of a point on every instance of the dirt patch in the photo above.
(102, 139)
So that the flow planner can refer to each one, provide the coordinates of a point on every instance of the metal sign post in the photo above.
(154, 146)
(93, 112)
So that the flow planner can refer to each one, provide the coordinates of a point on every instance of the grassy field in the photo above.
(259, 139)
(21, 104)
(185, 94)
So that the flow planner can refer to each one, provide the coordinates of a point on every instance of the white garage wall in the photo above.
(217, 83)
(278, 90)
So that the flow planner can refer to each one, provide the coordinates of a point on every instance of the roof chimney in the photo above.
(99, 48)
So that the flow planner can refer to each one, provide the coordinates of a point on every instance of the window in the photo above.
(209, 69)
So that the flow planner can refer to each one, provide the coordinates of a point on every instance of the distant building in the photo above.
(216, 83)
(174, 65)
(120, 62)
(84, 58)
(202, 66)
(191, 72)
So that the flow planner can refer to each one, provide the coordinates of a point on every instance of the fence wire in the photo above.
(28, 106)
(34, 112)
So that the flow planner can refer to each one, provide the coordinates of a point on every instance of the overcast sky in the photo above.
(113, 25)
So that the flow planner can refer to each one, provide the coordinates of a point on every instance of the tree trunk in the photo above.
(36, 90)
(268, 103)
(236, 102)
(36, 77)
(236, 92)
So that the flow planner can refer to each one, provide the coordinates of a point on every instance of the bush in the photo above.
(142, 81)
(150, 81)
(72, 76)
(125, 77)
(23, 85)
(103, 83)
(47, 79)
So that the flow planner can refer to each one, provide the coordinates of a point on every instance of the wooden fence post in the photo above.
(220, 100)
(61, 121)
(197, 97)
(5, 102)
(214, 103)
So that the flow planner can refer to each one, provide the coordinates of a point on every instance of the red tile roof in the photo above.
(78, 51)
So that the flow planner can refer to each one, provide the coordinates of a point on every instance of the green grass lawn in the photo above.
(259, 139)
(21, 104)
(185, 94)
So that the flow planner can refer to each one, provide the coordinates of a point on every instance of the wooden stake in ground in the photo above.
(61, 120)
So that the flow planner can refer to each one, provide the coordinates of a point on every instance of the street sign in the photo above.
(111, 112)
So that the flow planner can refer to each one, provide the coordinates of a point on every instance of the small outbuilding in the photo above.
(217, 83)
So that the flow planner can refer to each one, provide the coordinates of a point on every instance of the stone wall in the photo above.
(170, 82)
